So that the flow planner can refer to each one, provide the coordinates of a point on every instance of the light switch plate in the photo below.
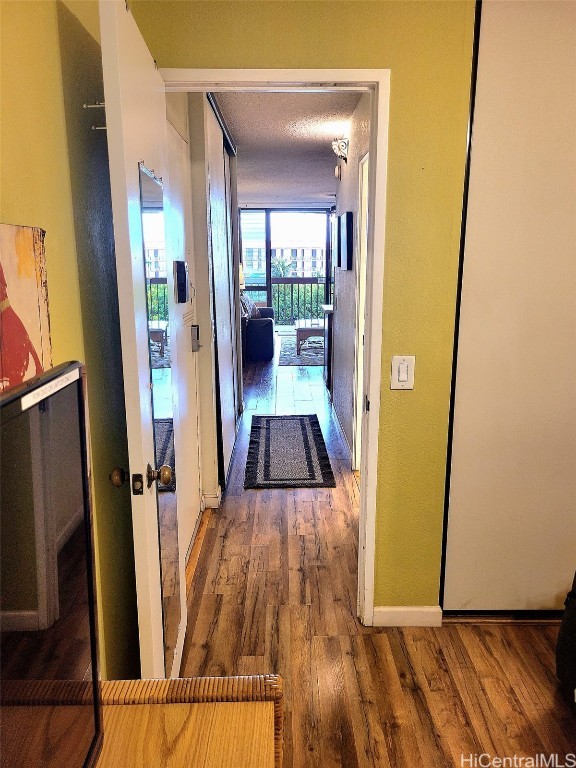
(402, 372)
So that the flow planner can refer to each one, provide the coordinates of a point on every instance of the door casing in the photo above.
(376, 82)
(362, 229)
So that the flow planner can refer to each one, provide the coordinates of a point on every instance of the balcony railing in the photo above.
(157, 289)
(293, 298)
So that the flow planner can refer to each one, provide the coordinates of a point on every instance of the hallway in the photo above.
(275, 591)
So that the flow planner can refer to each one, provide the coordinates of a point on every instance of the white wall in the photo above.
(512, 519)
(345, 283)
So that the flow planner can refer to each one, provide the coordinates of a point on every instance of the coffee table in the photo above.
(306, 329)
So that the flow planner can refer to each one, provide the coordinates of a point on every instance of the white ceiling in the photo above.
(284, 143)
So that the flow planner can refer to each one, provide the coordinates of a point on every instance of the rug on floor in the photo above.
(311, 352)
(287, 452)
(164, 435)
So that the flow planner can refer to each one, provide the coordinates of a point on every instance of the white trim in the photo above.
(407, 616)
(378, 152)
(342, 433)
(377, 82)
(212, 500)
(19, 621)
(174, 672)
(272, 80)
(361, 289)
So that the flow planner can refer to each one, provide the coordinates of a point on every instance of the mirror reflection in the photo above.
(155, 267)
(46, 645)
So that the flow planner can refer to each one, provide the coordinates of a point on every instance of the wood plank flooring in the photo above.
(169, 554)
(274, 591)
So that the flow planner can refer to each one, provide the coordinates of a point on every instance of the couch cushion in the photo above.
(247, 306)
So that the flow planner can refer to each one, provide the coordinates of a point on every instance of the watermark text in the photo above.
(486, 760)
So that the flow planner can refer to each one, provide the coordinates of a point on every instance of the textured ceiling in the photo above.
(284, 143)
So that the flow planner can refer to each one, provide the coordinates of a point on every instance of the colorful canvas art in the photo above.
(25, 347)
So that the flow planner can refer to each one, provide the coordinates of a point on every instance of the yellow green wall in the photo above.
(54, 175)
(428, 48)
(35, 168)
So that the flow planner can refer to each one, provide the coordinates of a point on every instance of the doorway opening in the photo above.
(286, 258)
(375, 83)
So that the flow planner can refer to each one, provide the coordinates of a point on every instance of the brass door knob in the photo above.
(164, 475)
(118, 477)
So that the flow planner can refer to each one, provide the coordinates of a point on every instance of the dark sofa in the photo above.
(259, 336)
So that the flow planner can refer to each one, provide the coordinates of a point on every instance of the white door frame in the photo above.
(361, 287)
(377, 82)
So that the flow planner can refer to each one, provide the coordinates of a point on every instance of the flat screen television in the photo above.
(49, 694)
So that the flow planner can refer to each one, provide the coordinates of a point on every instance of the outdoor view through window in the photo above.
(297, 255)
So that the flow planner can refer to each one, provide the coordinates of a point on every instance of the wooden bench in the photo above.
(205, 722)
(214, 722)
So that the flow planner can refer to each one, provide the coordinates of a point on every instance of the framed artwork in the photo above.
(346, 250)
(25, 346)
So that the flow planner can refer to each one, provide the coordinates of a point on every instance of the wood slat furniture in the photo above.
(328, 310)
(158, 332)
(306, 329)
(213, 722)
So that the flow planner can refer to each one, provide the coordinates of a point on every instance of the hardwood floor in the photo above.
(274, 591)
(168, 526)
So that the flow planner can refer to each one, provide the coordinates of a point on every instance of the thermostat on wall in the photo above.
(181, 289)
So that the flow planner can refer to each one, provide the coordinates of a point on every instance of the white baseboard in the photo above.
(342, 433)
(407, 616)
(178, 651)
(191, 544)
(19, 621)
(212, 500)
(70, 527)
(194, 533)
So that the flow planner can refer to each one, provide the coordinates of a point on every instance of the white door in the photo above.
(136, 129)
(511, 531)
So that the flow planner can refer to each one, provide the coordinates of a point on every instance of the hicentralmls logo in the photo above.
(486, 760)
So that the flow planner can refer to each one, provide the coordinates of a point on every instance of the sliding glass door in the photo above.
(286, 260)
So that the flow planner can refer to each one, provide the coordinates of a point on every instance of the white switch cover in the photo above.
(402, 373)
